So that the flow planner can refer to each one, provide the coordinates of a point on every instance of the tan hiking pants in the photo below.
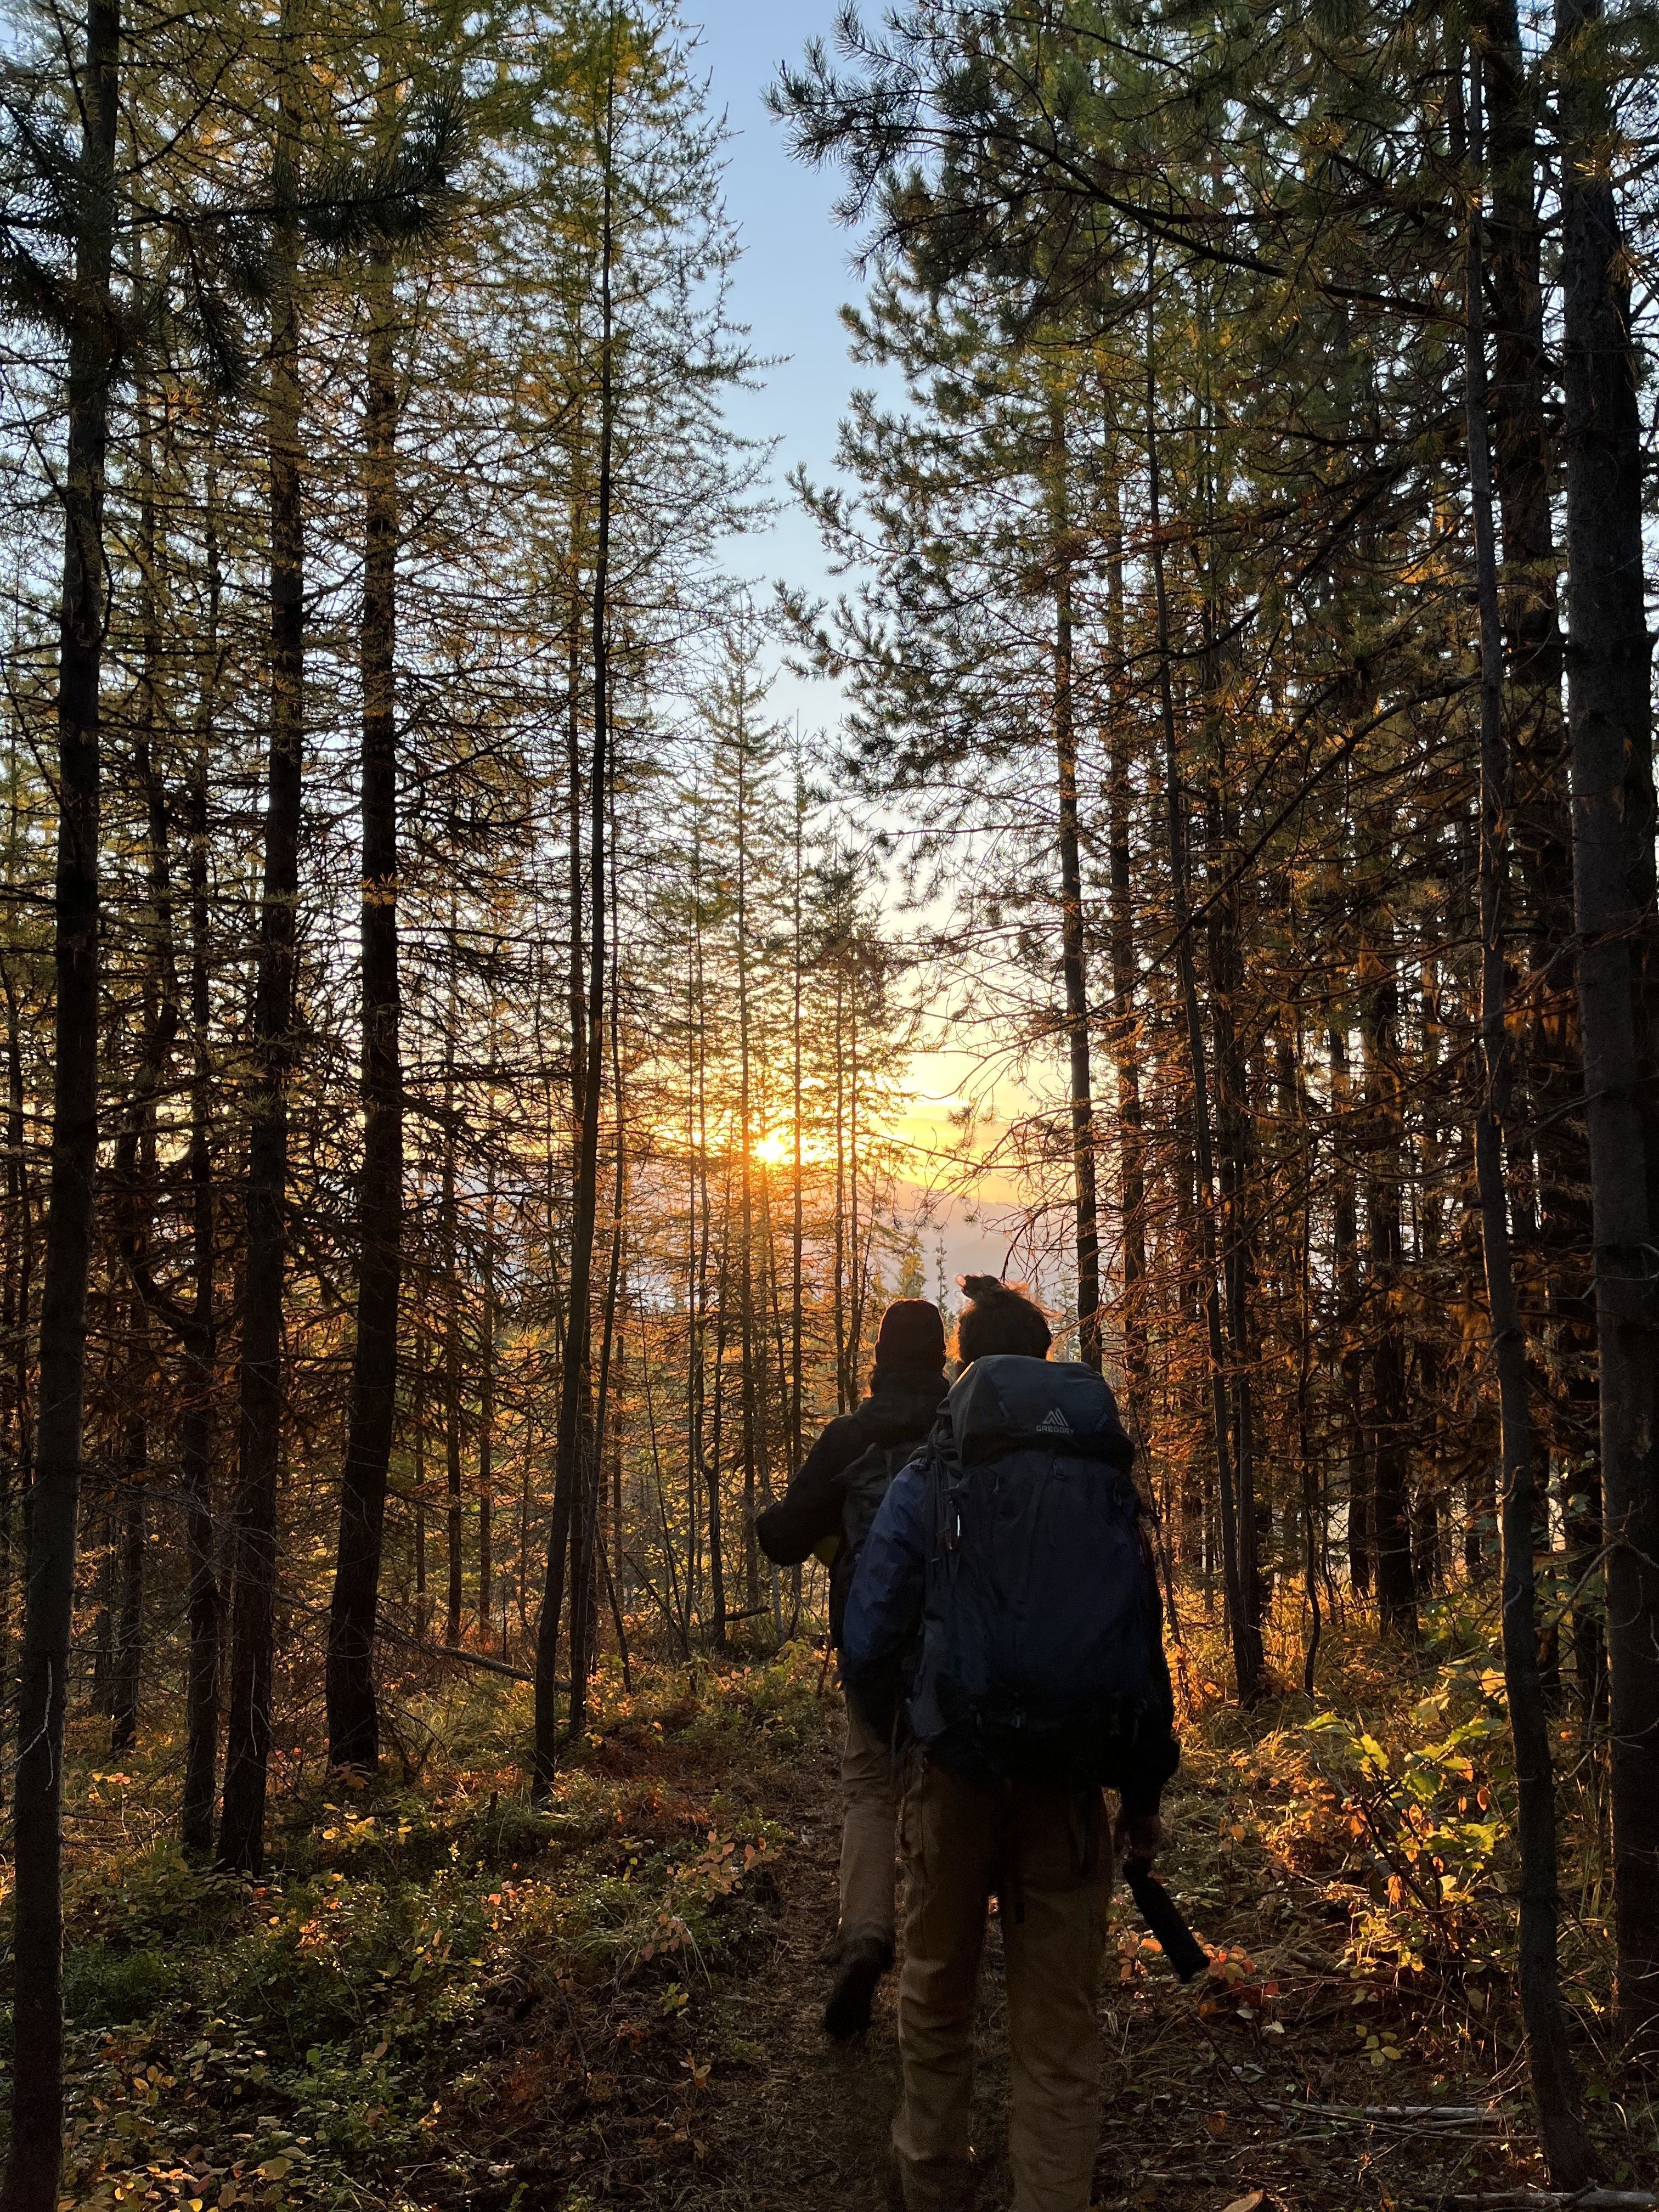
(959, 1845)
(869, 1825)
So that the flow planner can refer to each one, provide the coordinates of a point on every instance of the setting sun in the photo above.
(777, 1149)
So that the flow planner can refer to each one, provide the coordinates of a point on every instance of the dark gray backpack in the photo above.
(1040, 1605)
(866, 1482)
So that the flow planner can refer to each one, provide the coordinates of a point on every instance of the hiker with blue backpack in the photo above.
(1003, 1622)
(829, 1508)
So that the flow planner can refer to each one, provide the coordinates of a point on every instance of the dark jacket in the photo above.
(899, 1411)
(884, 1612)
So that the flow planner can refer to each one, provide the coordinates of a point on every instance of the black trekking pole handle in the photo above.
(1162, 1916)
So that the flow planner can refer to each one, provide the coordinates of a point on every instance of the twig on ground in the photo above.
(1548, 2200)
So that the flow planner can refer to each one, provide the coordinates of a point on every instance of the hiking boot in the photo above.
(863, 1963)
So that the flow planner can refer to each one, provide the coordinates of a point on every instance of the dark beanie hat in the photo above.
(911, 1335)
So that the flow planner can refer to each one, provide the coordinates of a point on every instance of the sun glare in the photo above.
(777, 1149)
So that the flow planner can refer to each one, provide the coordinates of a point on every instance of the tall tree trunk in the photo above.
(1343, 1354)
(750, 1354)
(1233, 1146)
(16, 1292)
(487, 1385)
(716, 1465)
(34, 2160)
(797, 1183)
(1555, 2088)
(1612, 743)
(135, 1145)
(454, 1550)
(587, 1563)
(574, 1381)
(1073, 967)
(247, 1755)
(1396, 1583)
(354, 1730)
(1246, 1645)
(195, 1424)
(1125, 1043)
(1541, 805)
(129, 1643)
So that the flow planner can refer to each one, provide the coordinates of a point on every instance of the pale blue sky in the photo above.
(796, 271)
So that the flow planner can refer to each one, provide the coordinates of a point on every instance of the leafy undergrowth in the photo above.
(441, 1995)
(347, 2031)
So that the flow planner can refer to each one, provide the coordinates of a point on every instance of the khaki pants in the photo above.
(869, 1826)
(959, 1845)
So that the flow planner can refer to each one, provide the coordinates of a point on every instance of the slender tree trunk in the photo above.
(417, 1353)
(574, 1382)
(195, 1425)
(34, 2162)
(486, 1390)
(587, 1548)
(1246, 1645)
(135, 1145)
(1131, 1139)
(1233, 1146)
(1522, 459)
(797, 1187)
(845, 1394)
(454, 1548)
(354, 1727)
(1612, 743)
(248, 1759)
(717, 1430)
(1073, 964)
(1342, 1355)
(1555, 2088)
(18, 1293)
(1396, 1584)
(128, 1644)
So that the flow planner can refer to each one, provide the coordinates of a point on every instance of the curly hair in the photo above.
(999, 1317)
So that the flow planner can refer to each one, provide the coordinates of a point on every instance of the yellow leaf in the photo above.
(1257, 2197)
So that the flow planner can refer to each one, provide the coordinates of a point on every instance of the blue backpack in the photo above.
(1040, 1604)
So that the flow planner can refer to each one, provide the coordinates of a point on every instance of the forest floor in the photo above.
(441, 1998)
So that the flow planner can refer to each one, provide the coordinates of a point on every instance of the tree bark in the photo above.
(487, 1384)
(1396, 1582)
(575, 1380)
(195, 1425)
(129, 1643)
(1554, 2085)
(1610, 738)
(353, 1731)
(34, 2160)
(454, 1549)
(1541, 803)
(1073, 964)
(1130, 1140)
(15, 1302)
(1245, 1637)
(247, 1757)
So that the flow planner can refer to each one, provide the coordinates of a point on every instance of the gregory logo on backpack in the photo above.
(1039, 1604)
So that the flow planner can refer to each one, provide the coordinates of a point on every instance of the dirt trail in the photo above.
(1194, 2117)
(806, 2129)
(739, 2103)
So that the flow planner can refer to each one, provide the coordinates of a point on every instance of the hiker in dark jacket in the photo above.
(831, 1502)
(1006, 1572)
